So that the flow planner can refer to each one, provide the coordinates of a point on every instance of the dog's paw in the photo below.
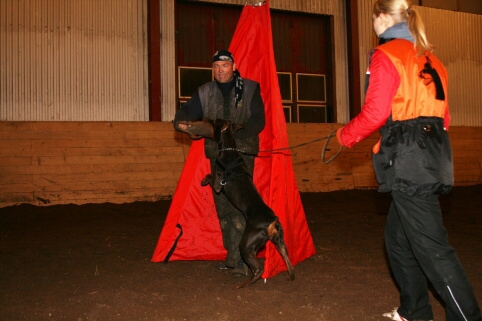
(207, 180)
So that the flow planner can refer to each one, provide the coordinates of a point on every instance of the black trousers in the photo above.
(418, 250)
(231, 220)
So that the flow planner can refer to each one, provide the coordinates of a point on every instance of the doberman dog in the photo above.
(231, 177)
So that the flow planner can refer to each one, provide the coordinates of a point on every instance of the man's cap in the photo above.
(223, 55)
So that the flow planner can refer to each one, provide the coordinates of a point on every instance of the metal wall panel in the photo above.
(66, 60)
(367, 39)
(168, 61)
(455, 36)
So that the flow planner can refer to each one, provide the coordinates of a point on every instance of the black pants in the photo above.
(418, 249)
(231, 220)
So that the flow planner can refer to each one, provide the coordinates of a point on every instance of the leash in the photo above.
(272, 151)
(326, 145)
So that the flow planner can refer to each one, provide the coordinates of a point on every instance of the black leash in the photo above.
(168, 256)
(272, 151)
(326, 145)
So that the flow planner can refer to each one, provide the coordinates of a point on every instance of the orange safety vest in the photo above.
(415, 97)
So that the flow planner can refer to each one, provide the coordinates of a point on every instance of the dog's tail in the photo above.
(276, 233)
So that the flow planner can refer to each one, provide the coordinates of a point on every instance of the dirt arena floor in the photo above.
(92, 262)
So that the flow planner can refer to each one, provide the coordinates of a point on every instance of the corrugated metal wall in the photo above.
(457, 40)
(168, 61)
(86, 60)
(328, 7)
(456, 37)
(367, 39)
(64, 60)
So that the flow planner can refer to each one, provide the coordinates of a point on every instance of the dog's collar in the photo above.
(229, 169)
(233, 149)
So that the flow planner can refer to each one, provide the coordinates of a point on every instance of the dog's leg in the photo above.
(278, 240)
(249, 246)
(207, 180)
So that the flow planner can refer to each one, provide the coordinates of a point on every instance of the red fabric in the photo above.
(384, 82)
(192, 207)
(252, 48)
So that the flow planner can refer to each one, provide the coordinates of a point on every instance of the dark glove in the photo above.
(196, 129)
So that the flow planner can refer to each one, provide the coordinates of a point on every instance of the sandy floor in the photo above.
(92, 262)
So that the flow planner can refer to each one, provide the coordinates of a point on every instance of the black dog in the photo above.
(231, 177)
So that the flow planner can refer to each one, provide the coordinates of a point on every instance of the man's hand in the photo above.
(196, 129)
(182, 126)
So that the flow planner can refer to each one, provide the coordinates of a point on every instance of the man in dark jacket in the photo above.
(233, 98)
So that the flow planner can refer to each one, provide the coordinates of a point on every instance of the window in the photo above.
(285, 86)
(287, 112)
(311, 88)
(312, 114)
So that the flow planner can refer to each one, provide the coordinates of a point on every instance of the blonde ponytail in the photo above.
(402, 11)
(417, 29)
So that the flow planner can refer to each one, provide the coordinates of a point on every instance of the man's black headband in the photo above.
(223, 55)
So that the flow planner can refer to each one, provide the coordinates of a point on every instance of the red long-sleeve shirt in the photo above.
(383, 86)
(384, 82)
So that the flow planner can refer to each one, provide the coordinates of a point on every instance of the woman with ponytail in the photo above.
(407, 101)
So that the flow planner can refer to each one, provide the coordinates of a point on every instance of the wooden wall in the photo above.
(46, 163)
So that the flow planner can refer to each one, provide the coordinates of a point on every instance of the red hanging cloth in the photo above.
(192, 207)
